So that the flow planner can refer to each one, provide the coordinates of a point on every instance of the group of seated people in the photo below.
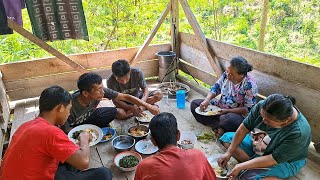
(269, 139)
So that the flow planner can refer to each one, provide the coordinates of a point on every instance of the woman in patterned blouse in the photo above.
(238, 92)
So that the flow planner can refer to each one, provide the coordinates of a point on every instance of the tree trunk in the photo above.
(263, 24)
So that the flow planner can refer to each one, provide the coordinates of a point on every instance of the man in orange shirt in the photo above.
(172, 163)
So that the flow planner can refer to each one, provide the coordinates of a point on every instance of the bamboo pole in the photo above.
(13, 25)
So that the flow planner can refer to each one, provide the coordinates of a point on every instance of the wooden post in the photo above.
(13, 25)
(216, 65)
(152, 34)
(174, 18)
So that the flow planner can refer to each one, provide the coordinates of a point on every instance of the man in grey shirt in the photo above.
(85, 101)
(129, 80)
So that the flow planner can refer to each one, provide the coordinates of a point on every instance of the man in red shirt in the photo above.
(172, 163)
(38, 145)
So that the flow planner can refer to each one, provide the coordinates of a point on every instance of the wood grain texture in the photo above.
(286, 69)
(48, 66)
(32, 87)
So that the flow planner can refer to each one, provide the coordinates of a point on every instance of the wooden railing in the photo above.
(27, 79)
(273, 74)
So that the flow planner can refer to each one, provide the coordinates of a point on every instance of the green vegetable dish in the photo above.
(128, 161)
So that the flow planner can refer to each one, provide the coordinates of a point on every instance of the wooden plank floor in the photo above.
(186, 122)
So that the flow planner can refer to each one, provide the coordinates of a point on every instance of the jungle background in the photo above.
(292, 27)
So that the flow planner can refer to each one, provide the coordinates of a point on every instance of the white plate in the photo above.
(210, 111)
(145, 119)
(213, 160)
(146, 147)
(96, 137)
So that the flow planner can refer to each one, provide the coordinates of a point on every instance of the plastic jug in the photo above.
(181, 99)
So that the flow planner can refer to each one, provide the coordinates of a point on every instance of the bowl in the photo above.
(141, 128)
(187, 140)
(166, 88)
(108, 130)
(123, 154)
(123, 143)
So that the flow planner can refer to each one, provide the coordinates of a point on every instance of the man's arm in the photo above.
(145, 94)
(81, 158)
(138, 102)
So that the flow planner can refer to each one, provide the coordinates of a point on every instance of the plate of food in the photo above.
(146, 147)
(95, 131)
(210, 111)
(221, 173)
(145, 118)
(108, 134)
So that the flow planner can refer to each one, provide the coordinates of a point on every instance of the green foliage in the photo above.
(292, 29)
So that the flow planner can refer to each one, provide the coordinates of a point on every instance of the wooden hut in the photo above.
(203, 58)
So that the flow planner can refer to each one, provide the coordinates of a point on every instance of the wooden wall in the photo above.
(273, 74)
(27, 79)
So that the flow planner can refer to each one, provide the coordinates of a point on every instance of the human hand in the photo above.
(85, 137)
(204, 105)
(153, 109)
(223, 111)
(234, 173)
(136, 110)
(142, 108)
(223, 160)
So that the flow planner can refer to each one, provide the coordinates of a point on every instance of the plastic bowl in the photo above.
(123, 154)
(141, 128)
(187, 136)
(106, 130)
(123, 143)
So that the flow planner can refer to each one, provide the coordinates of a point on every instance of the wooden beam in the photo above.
(174, 18)
(32, 87)
(31, 69)
(198, 73)
(134, 60)
(13, 25)
(214, 62)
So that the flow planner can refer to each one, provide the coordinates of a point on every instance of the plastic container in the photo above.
(181, 99)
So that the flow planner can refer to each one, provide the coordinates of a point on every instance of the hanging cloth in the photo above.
(4, 29)
(13, 10)
(57, 19)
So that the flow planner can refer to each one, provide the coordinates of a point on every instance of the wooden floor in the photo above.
(186, 122)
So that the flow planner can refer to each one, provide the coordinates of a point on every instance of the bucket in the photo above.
(165, 58)
(170, 77)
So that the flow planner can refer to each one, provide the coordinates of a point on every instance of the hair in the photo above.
(120, 68)
(53, 96)
(279, 106)
(87, 80)
(241, 64)
(164, 129)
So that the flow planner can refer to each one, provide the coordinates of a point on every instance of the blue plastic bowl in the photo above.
(105, 130)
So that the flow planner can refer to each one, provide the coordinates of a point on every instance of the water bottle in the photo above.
(181, 99)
